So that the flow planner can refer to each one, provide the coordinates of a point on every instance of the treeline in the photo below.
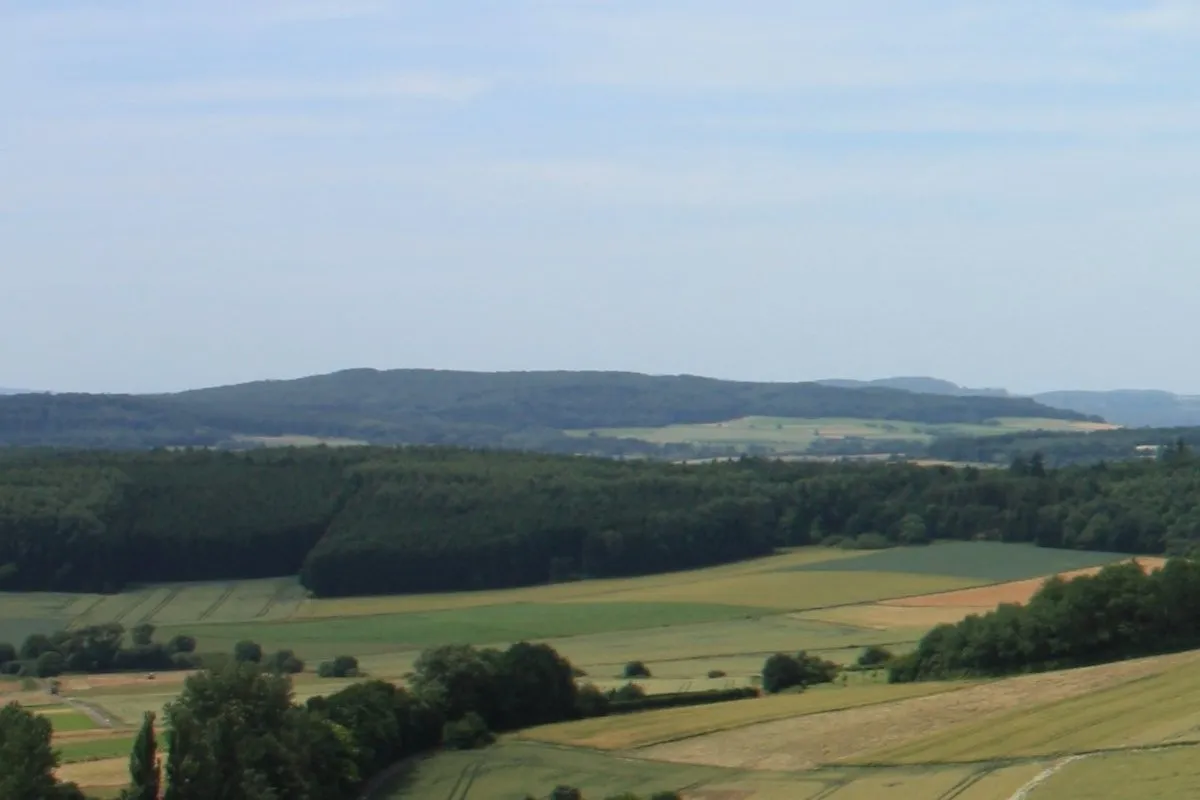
(102, 648)
(1060, 449)
(390, 520)
(520, 410)
(1120, 612)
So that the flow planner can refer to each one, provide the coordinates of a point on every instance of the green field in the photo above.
(72, 752)
(787, 435)
(992, 562)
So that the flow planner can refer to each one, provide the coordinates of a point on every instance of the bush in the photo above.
(716, 673)
(680, 699)
(833, 540)
(7, 653)
(284, 662)
(181, 643)
(468, 733)
(591, 702)
(247, 651)
(875, 656)
(871, 541)
(782, 671)
(630, 691)
(636, 669)
(49, 664)
(340, 667)
(566, 793)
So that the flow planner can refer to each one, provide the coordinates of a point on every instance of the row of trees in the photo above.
(382, 520)
(1120, 612)
(97, 648)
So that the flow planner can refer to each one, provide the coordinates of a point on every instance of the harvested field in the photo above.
(1163, 708)
(804, 743)
(651, 727)
(101, 773)
(1147, 775)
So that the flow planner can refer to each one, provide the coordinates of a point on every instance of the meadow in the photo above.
(967, 741)
(788, 435)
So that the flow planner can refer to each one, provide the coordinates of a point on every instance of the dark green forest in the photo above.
(518, 410)
(1118, 613)
(393, 520)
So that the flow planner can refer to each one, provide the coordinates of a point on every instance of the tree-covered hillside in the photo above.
(378, 520)
(525, 410)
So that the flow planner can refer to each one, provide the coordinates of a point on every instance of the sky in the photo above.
(1000, 194)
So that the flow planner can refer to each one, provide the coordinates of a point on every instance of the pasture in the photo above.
(788, 435)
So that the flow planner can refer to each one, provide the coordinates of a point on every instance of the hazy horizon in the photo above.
(1000, 195)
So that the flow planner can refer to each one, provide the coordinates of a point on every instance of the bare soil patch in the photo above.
(807, 742)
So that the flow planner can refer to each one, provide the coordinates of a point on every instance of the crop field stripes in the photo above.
(280, 595)
(966, 783)
(171, 595)
(997, 763)
(466, 779)
(208, 612)
(80, 616)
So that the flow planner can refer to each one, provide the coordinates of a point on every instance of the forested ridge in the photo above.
(380, 520)
(518, 410)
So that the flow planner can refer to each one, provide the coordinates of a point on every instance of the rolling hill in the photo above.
(509, 409)
(1126, 407)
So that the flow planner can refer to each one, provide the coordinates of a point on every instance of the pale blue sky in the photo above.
(998, 193)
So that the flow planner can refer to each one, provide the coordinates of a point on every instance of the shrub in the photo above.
(49, 664)
(782, 671)
(468, 733)
(7, 653)
(834, 540)
(591, 702)
(871, 541)
(340, 667)
(284, 662)
(247, 651)
(630, 691)
(681, 699)
(636, 669)
(181, 643)
(875, 656)
(566, 793)
(716, 673)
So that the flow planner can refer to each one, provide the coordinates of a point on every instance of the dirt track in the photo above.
(805, 742)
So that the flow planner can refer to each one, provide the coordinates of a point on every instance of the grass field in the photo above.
(788, 435)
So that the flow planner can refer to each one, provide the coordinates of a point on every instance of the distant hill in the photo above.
(921, 385)
(1127, 407)
(5, 390)
(507, 409)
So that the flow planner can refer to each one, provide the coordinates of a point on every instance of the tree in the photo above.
(142, 635)
(874, 656)
(284, 662)
(181, 643)
(27, 759)
(49, 664)
(145, 771)
(248, 652)
(7, 653)
(468, 733)
(780, 672)
(913, 530)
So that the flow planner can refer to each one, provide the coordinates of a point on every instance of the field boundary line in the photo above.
(166, 601)
(225, 595)
(966, 783)
(1010, 761)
